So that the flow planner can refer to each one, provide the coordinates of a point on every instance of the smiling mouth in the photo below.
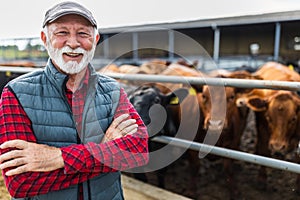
(73, 54)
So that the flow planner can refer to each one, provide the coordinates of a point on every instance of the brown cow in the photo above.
(231, 125)
(277, 115)
(182, 71)
(111, 68)
(154, 66)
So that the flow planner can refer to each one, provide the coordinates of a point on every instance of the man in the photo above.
(66, 132)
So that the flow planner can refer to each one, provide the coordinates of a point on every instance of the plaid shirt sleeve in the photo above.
(15, 124)
(119, 154)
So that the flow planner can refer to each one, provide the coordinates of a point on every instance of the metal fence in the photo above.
(241, 83)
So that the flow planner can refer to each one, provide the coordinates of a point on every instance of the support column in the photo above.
(171, 44)
(105, 46)
(277, 41)
(216, 43)
(135, 46)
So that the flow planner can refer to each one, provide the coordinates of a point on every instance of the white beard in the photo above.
(70, 67)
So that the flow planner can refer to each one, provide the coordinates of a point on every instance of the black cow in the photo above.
(160, 112)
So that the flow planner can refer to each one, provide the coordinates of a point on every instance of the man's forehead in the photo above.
(72, 19)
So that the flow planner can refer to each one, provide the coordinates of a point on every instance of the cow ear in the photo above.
(177, 96)
(242, 90)
(198, 88)
(257, 104)
(257, 77)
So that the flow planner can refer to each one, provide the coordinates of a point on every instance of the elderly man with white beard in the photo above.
(67, 132)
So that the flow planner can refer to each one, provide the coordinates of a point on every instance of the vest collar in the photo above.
(56, 77)
(59, 79)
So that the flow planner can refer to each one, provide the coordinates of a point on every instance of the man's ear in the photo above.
(98, 38)
(44, 38)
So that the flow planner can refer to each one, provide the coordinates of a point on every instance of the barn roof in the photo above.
(211, 22)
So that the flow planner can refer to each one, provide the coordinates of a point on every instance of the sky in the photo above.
(19, 18)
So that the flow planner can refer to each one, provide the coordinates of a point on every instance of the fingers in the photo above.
(125, 124)
(18, 170)
(10, 155)
(19, 144)
(130, 129)
(13, 163)
(119, 119)
(121, 126)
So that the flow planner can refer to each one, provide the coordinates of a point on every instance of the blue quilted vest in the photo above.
(42, 95)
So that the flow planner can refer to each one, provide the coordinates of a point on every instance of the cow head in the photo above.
(231, 94)
(281, 111)
(154, 108)
(205, 101)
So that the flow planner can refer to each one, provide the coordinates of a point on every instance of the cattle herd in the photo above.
(276, 112)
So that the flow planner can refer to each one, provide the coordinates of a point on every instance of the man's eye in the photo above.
(62, 33)
(84, 34)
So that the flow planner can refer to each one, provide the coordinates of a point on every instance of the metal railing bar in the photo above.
(228, 153)
(17, 69)
(229, 82)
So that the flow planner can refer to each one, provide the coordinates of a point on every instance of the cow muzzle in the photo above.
(241, 102)
(278, 147)
(214, 124)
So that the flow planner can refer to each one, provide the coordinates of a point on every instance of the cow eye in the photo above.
(231, 98)
(156, 100)
(204, 98)
(294, 119)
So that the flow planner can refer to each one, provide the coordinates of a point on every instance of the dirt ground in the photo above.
(3, 192)
(211, 182)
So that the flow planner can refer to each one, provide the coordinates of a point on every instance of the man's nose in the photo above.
(73, 42)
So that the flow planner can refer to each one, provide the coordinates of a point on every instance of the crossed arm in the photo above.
(31, 169)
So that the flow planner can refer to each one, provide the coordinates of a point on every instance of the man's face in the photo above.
(71, 43)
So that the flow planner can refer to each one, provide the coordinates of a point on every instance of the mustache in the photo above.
(67, 49)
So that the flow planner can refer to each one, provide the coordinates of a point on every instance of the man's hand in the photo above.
(28, 156)
(121, 126)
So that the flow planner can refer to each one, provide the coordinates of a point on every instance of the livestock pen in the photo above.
(263, 84)
(205, 149)
(237, 155)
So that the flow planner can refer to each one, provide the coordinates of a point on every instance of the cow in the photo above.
(277, 115)
(183, 114)
(184, 62)
(214, 102)
(143, 99)
(231, 128)
(111, 68)
(154, 66)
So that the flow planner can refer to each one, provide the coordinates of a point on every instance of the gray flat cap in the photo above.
(66, 8)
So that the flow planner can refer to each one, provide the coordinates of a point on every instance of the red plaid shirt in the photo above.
(82, 161)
